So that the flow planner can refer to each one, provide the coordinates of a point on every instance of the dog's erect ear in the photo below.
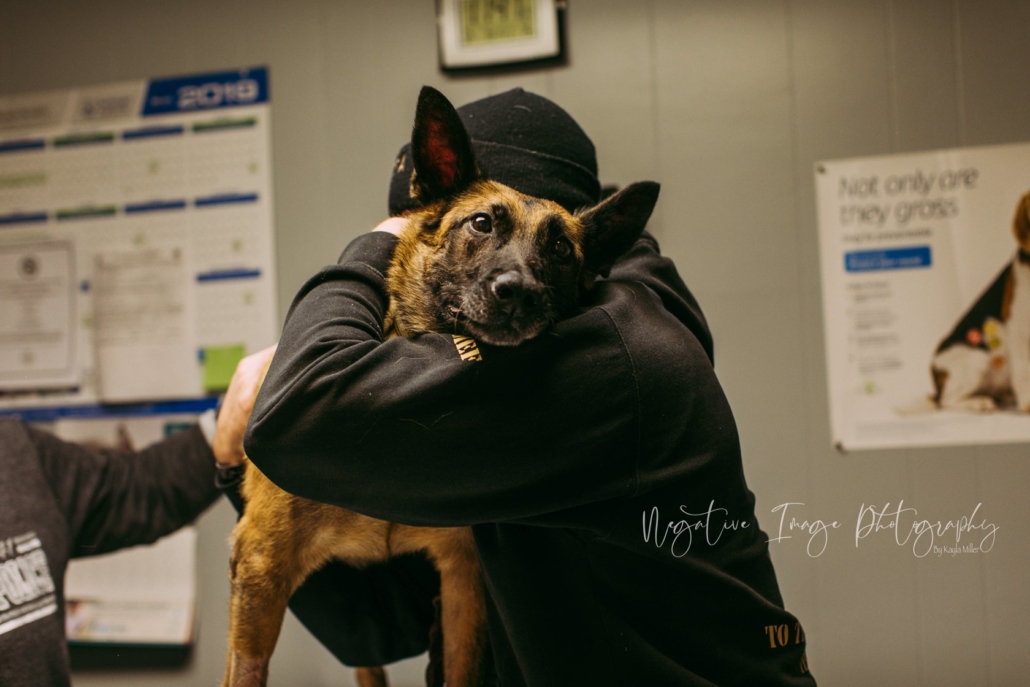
(1021, 224)
(440, 149)
(614, 224)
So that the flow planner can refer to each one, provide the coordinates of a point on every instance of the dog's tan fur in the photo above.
(1021, 230)
(281, 538)
(1021, 223)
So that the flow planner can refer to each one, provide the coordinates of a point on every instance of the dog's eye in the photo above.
(562, 249)
(481, 223)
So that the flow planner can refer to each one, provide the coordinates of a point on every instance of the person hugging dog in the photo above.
(598, 464)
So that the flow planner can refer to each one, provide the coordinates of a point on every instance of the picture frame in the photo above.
(485, 34)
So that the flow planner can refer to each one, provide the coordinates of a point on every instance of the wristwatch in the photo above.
(229, 476)
(226, 476)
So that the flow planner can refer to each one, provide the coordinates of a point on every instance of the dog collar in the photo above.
(1024, 256)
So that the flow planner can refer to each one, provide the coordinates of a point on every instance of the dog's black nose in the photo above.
(513, 290)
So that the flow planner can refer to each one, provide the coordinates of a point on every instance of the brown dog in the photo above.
(477, 259)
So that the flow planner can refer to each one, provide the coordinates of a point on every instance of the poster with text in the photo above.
(926, 297)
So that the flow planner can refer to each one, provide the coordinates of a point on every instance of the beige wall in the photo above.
(728, 104)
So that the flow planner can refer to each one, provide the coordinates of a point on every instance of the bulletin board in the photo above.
(137, 267)
(136, 245)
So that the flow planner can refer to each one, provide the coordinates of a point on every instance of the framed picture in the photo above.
(493, 33)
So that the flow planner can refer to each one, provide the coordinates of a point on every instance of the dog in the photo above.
(481, 261)
(984, 363)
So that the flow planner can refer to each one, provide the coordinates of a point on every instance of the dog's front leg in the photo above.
(262, 581)
(371, 677)
(463, 612)
(1019, 362)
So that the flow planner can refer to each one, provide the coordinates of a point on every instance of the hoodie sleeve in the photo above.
(114, 499)
(408, 430)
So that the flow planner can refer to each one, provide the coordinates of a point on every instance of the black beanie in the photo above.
(524, 141)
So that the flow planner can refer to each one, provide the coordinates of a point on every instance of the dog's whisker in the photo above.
(457, 314)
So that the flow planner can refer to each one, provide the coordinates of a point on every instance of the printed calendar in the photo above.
(136, 242)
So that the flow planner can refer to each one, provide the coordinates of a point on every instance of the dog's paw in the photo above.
(978, 404)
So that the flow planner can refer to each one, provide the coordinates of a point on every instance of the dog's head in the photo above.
(482, 259)
(1021, 223)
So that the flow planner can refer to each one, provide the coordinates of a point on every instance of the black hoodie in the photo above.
(598, 465)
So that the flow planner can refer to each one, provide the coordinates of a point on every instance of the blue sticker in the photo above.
(193, 406)
(22, 144)
(225, 199)
(155, 206)
(201, 92)
(152, 132)
(888, 259)
(222, 275)
(23, 218)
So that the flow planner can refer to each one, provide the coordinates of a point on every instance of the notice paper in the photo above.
(144, 326)
(37, 316)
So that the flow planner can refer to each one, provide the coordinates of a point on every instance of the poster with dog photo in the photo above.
(926, 296)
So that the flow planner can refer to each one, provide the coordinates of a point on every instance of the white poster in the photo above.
(926, 296)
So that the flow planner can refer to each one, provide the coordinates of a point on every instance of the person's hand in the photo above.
(393, 225)
(237, 405)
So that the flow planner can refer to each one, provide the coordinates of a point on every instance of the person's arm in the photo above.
(406, 430)
(113, 499)
(234, 411)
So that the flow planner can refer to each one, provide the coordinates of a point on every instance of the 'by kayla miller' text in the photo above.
(904, 524)
(709, 526)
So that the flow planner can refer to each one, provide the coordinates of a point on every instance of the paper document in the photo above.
(144, 326)
(37, 316)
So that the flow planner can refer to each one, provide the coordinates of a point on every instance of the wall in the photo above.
(728, 105)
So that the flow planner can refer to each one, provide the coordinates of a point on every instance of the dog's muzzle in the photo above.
(520, 298)
(511, 309)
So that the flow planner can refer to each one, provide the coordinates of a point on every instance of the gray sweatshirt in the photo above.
(60, 501)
